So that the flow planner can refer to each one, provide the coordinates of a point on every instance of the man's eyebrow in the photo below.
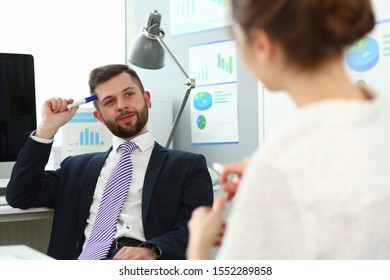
(124, 90)
(129, 87)
(106, 97)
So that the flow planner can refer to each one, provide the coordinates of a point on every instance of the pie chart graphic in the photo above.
(363, 55)
(201, 122)
(361, 82)
(203, 101)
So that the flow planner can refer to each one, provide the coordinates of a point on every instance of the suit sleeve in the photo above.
(195, 190)
(30, 185)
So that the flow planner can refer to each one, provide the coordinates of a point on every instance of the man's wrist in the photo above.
(39, 139)
(156, 250)
(46, 131)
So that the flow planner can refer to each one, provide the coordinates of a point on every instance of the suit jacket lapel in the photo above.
(89, 184)
(156, 162)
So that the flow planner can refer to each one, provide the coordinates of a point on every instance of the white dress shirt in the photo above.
(130, 220)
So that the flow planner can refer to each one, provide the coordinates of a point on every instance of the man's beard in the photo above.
(130, 130)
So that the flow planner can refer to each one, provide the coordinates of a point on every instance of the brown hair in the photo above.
(309, 31)
(104, 73)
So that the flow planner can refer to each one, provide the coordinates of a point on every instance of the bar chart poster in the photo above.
(214, 108)
(193, 16)
(368, 60)
(213, 63)
(214, 116)
(84, 134)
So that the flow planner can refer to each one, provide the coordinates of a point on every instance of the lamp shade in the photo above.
(146, 53)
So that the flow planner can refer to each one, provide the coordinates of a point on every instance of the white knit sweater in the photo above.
(318, 189)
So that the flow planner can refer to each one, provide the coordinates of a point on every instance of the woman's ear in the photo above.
(263, 45)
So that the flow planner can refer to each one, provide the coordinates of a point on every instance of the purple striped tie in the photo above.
(114, 195)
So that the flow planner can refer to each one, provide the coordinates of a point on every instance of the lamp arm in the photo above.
(179, 112)
(190, 83)
(161, 41)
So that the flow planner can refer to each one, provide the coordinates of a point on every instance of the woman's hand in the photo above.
(205, 229)
(230, 170)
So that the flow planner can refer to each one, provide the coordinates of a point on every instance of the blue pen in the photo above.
(82, 101)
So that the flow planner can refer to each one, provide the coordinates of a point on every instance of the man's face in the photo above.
(123, 107)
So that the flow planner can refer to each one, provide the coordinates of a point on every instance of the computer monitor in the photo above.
(17, 106)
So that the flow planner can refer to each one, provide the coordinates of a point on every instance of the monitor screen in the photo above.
(17, 105)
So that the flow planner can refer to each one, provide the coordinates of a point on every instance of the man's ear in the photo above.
(147, 98)
(99, 116)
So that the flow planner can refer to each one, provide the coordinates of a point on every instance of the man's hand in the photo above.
(135, 253)
(54, 116)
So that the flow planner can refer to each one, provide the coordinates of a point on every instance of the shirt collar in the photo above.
(144, 141)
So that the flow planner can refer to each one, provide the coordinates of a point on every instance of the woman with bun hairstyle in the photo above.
(320, 187)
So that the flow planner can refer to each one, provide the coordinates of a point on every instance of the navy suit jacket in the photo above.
(176, 182)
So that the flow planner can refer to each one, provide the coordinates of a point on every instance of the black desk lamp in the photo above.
(148, 51)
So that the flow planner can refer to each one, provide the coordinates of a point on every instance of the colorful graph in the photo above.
(84, 134)
(89, 138)
(223, 3)
(214, 118)
(192, 16)
(363, 55)
(203, 101)
(201, 122)
(225, 64)
(209, 65)
(368, 61)
(361, 82)
(386, 45)
(185, 8)
(222, 97)
(190, 7)
(202, 74)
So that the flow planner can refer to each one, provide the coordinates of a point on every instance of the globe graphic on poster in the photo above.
(201, 122)
(363, 55)
(203, 101)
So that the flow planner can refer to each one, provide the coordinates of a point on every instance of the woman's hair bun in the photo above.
(310, 31)
(342, 22)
